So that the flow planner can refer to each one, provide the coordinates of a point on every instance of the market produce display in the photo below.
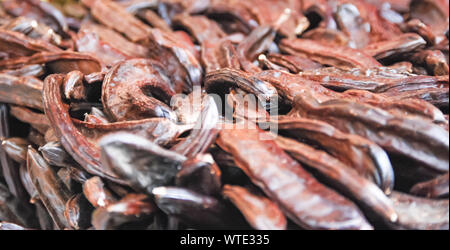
(224, 114)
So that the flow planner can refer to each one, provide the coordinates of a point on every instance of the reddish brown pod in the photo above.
(224, 114)
(131, 88)
(304, 200)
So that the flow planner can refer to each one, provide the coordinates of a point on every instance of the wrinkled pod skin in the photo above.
(417, 213)
(204, 133)
(220, 81)
(141, 163)
(200, 174)
(57, 62)
(311, 205)
(196, 209)
(52, 192)
(420, 140)
(347, 180)
(256, 43)
(78, 212)
(435, 188)
(260, 212)
(130, 89)
(71, 139)
(365, 157)
(9, 171)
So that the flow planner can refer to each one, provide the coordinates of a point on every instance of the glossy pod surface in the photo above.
(224, 114)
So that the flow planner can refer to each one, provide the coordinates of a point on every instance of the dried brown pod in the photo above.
(393, 48)
(339, 57)
(52, 192)
(358, 153)
(151, 17)
(290, 86)
(311, 205)
(28, 184)
(183, 67)
(127, 24)
(338, 175)
(42, 11)
(295, 64)
(219, 54)
(428, 143)
(162, 131)
(36, 119)
(200, 174)
(54, 153)
(196, 209)
(15, 210)
(16, 148)
(128, 213)
(434, 188)
(106, 44)
(16, 44)
(97, 193)
(141, 163)
(415, 213)
(78, 212)
(10, 171)
(78, 146)
(256, 43)
(371, 79)
(23, 91)
(200, 27)
(33, 29)
(220, 81)
(131, 88)
(35, 70)
(260, 212)
(57, 62)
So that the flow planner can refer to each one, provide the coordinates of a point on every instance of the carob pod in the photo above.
(435, 188)
(141, 163)
(131, 88)
(358, 153)
(82, 150)
(260, 212)
(196, 209)
(16, 148)
(78, 212)
(52, 192)
(339, 57)
(204, 133)
(200, 174)
(23, 91)
(10, 172)
(36, 119)
(343, 178)
(97, 193)
(16, 44)
(15, 210)
(417, 139)
(415, 213)
(134, 211)
(303, 199)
